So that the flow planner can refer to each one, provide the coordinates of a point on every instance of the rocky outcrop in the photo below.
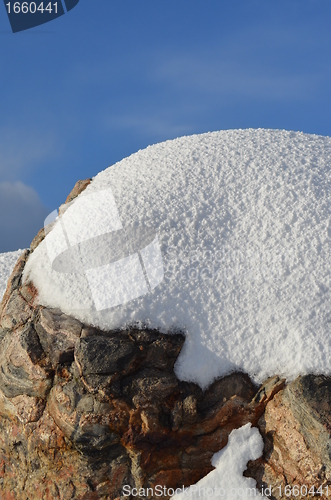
(296, 428)
(84, 412)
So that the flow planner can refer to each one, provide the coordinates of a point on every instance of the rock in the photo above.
(102, 355)
(26, 408)
(150, 385)
(85, 412)
(78, 188)
(224, 388)
(37, 239)
(23, 368)
(58, 335)
(296, 428)
(269, 389)
(16, 312)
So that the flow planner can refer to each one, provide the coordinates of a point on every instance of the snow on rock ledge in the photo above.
(242, 220)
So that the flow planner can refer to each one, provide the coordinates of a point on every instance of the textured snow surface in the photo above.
(227, 480)
(7, 263)
(243, 222)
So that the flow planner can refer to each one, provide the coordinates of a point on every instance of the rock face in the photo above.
(296, 428)
(84, 412)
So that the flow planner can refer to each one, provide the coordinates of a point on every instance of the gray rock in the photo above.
(58, 334)
(238, 384)
(37, 239)
(23, 368)
(16, 312)
(102, 355)
(150, 385)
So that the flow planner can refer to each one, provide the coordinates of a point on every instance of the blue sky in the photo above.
(113, 76)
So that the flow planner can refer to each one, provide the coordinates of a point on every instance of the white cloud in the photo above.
(22, 214)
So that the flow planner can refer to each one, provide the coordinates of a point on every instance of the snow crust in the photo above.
(7, 263)
(227, 480)
(242, 219)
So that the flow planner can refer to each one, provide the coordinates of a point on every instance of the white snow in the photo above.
(227, 480)
(242, 228)
(7, 263)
